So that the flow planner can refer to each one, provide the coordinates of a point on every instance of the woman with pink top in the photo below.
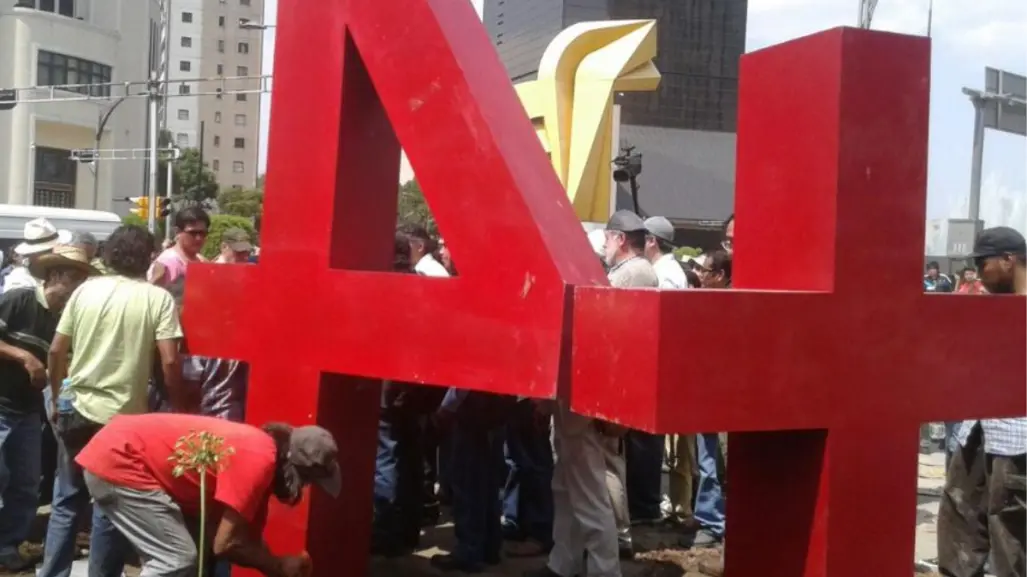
(191, 225)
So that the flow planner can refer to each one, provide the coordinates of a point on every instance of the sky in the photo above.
(967, 36)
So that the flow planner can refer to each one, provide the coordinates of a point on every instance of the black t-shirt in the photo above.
(26, 323)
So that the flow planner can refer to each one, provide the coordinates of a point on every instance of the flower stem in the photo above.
(203, 519)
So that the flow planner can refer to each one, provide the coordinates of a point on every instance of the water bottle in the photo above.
(64, 399)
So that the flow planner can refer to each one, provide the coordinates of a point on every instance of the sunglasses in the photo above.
(195, 233)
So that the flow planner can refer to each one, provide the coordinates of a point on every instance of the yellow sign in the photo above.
(571, 102)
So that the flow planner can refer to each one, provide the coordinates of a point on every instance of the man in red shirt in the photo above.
(130, 472)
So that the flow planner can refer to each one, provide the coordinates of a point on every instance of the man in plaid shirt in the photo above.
(982, 508)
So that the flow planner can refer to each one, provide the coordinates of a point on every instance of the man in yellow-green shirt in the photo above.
(113, 325)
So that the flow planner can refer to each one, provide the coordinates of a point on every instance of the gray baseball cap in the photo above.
(314, 447)
(661, 228)
(625, 221)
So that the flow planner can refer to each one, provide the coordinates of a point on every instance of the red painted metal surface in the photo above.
(827, 355)
(317, 318)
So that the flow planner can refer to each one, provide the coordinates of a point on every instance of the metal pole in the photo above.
(167, 192)
(154, 101)
(977, 160)
(96, 161)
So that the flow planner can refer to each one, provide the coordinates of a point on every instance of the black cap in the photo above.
(626, 221)
(999, 241)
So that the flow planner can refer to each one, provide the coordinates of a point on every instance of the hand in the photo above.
(296, 565)
(443, 419)
(53, 412)
(35, 369)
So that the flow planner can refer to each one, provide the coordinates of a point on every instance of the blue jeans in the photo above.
(398, 486)
(107, 547)
(21, 449)
(643, 455)
(709, 501)
(476, 475)
(528, 494)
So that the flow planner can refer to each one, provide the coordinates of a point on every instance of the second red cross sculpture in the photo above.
(832, 162)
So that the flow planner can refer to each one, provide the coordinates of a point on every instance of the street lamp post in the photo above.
(100, 125)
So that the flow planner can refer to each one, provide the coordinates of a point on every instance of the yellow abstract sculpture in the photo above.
(571, 102)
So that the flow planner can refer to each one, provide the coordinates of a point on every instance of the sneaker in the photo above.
(701, 540)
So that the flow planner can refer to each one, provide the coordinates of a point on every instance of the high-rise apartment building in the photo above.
(72, 44)
(207, 42)
(684, 130)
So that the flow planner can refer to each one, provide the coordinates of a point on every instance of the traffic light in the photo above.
(142, 209)
(163, 207)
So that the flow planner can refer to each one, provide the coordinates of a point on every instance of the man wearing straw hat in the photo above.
(40, 237)
(28, 320)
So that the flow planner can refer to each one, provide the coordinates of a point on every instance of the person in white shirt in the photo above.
(422, 245)
(659, 247)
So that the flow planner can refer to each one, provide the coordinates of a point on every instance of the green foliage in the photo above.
(193, 182)
(247, 202)
(684, 251)
(413, 208)
(133, 218)
(219, 223)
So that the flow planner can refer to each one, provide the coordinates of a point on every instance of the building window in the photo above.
(182, 140)
(183, 114)
(184, 89)
(62, 7)
(221, 46)
(54, 69)
(240, 120)
(187, 42)
(243, 48)
(217, 117)
(242, 70)
(221, 69)
(185, 65)
(55, 178)
(241, 97)
(215, 164)
(244, 2)
(217, 140)
(187, 17)
(240, 143)
(238, 167)
(221, 21)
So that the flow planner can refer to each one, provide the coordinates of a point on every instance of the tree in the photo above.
(247, 202)
(413, 208)
(193, 182)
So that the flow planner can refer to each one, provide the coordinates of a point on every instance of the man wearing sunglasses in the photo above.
(982, 510)
(191, 227)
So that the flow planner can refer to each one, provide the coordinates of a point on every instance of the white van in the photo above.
(14, 216)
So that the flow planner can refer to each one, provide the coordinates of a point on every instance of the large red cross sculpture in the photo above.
(827, 354)
(833, 136)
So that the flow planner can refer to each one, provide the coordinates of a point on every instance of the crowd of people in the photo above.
(92, 356)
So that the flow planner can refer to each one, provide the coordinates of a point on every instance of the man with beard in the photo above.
(131, 473)
(982, 506)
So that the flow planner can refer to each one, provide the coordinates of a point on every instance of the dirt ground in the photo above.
(662, 557)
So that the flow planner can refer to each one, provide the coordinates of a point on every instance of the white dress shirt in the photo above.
(670, 273)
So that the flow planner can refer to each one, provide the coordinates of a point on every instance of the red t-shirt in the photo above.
(133, 450)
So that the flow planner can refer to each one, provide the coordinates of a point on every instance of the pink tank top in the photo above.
(174, 265)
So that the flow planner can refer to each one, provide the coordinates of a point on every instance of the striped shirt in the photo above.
(1005, 437)
(27, 323)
